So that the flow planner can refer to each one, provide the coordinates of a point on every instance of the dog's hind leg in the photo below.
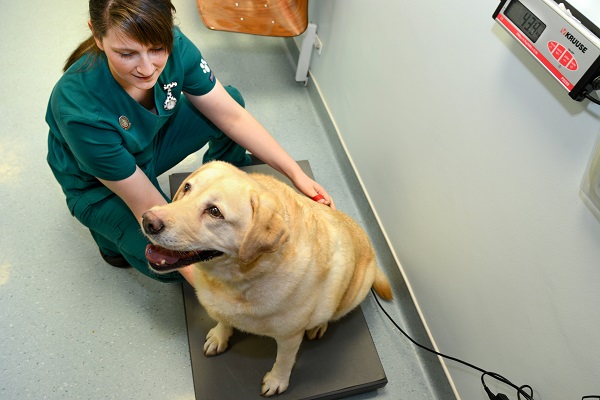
(217, 339)
(277, 380)
(317, 332)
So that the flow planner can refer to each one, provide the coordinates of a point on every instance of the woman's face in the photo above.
(132, 64)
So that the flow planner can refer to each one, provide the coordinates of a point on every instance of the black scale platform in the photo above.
(343, 363)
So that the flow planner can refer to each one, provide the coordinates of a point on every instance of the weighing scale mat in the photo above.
(342, 363)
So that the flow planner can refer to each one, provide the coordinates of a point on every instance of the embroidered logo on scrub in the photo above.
(204, 66)
(206, 70)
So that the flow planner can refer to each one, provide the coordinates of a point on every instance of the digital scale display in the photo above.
(525, 20)
(563, 40)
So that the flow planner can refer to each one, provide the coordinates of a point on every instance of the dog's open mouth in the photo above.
(164, 259)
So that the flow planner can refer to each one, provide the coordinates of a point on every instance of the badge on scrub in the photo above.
(170, 101)
(124, 122)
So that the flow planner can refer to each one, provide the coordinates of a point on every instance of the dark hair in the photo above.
(149, 22)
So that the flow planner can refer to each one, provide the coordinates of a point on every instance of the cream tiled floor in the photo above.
(72, 327)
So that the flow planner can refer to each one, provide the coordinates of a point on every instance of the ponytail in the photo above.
(87, 46)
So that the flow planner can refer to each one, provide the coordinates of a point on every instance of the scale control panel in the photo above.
(564, 41)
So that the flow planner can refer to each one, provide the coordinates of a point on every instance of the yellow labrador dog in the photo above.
(268, 260)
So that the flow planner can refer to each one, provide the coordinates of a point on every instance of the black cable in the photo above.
(525, 387)
(498, 377)
(520, 389)
(593, 100)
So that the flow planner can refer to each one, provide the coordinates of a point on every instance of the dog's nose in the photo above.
(152, 225)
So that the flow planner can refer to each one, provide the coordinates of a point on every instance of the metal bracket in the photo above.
(310, 40)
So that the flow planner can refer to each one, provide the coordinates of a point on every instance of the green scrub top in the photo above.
(98, 131)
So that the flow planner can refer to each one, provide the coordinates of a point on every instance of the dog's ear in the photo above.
(267, 231)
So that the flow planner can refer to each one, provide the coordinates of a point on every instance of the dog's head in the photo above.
(218, 211)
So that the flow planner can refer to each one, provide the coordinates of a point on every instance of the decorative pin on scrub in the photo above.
(170, 101)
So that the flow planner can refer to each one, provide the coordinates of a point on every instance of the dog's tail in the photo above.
(382, 286)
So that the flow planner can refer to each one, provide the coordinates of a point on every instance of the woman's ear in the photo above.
(98, 41)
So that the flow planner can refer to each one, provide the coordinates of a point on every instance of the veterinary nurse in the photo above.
(135, 99)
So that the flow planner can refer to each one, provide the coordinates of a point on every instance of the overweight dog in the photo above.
(267, 260)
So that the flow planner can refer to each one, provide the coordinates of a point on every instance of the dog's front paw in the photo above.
(317, 332)
(217, 339)
(272, 385)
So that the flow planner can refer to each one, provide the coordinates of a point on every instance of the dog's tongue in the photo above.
(159, 255)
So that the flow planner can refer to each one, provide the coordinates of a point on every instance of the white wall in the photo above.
(472, 156)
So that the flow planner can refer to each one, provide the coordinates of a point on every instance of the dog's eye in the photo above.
(214, 212)
(186, 187)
